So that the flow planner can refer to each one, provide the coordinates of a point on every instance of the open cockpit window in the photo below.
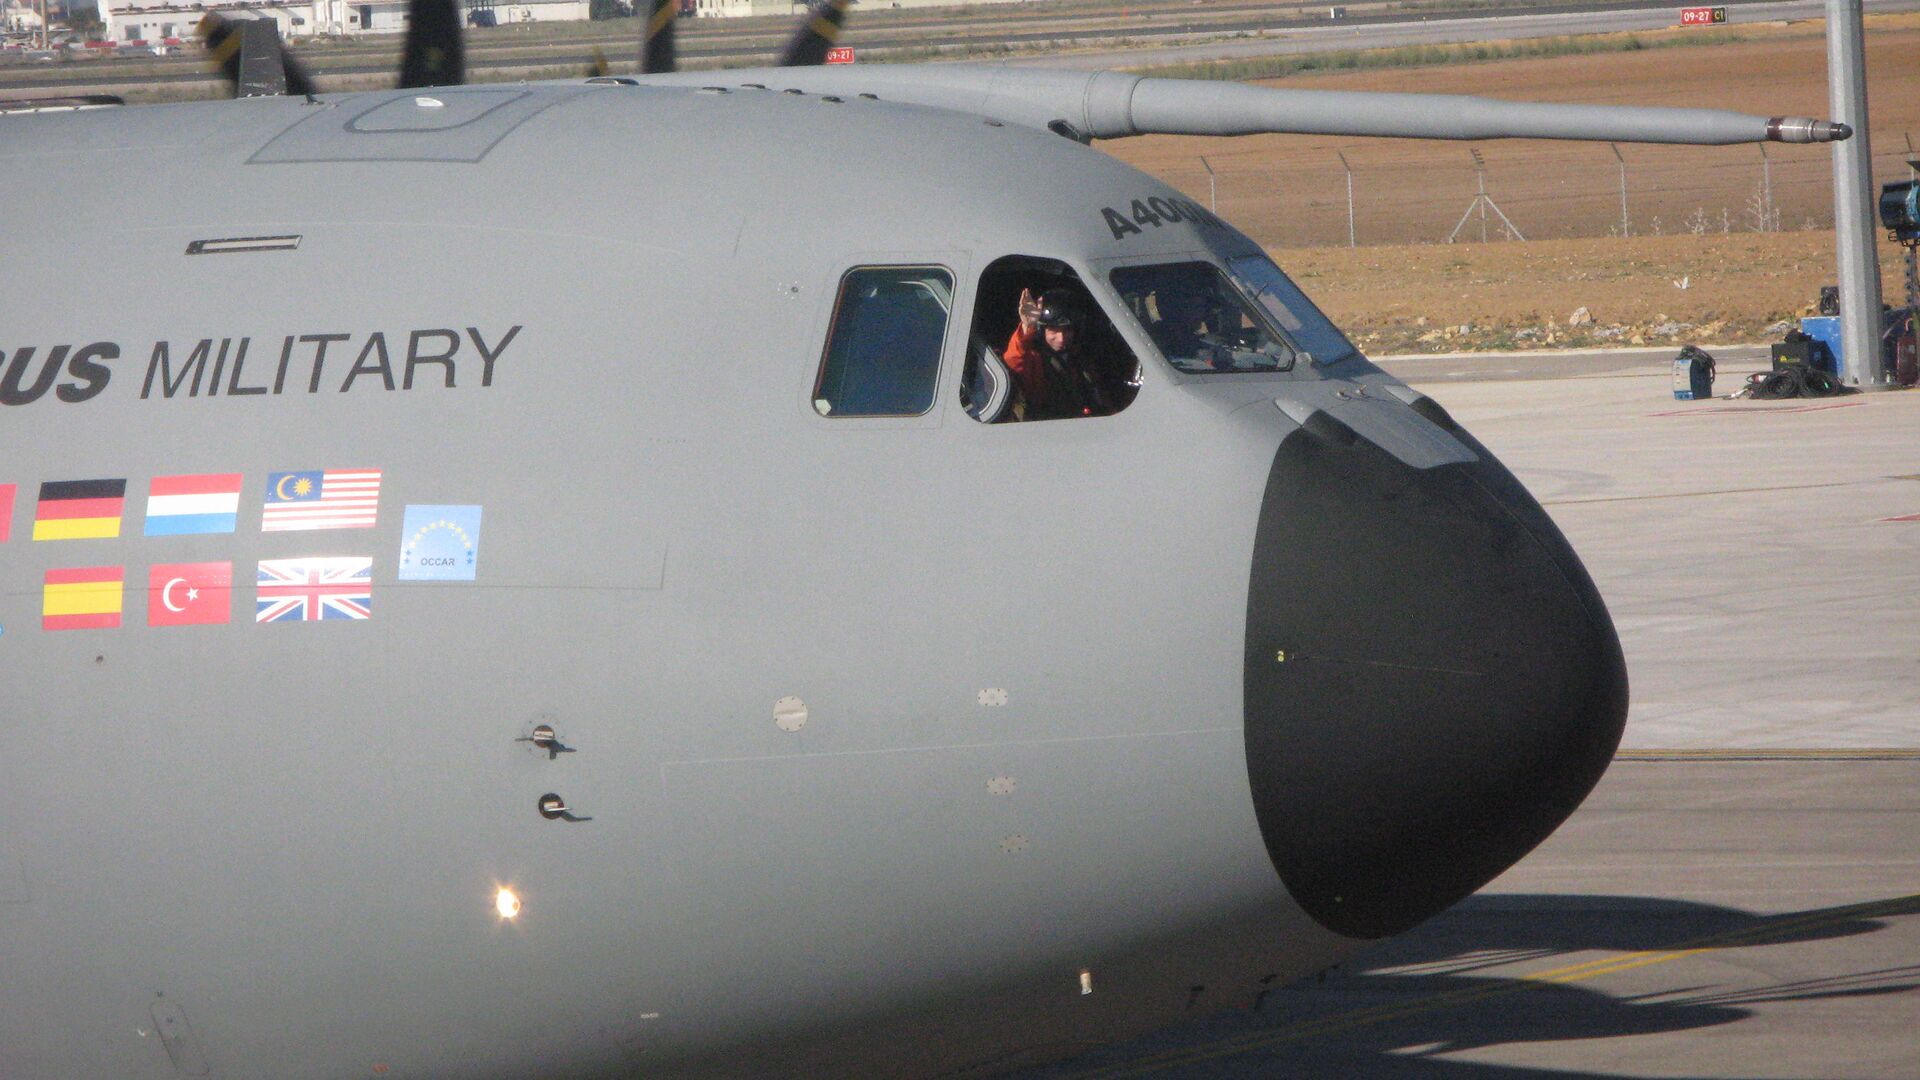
(1041, 348)
(883, 351)
(1199, 321)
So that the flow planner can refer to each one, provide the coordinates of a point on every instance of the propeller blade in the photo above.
(298, 81)
(599, 68)
(249, 53)
(819, 30)
(656, 38)
(434, 54)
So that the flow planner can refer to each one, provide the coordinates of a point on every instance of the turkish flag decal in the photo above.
(186, 594)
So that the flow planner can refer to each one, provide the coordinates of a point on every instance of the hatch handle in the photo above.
(544, 738)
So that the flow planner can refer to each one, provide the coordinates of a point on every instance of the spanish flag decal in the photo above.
(79, 509)
(86, 598)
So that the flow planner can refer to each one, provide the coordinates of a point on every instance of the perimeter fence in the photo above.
(1494, 191)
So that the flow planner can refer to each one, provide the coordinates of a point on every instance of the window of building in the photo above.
(1060, 358)
(883, 350)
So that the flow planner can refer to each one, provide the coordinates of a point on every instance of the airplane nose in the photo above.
(1432, 681)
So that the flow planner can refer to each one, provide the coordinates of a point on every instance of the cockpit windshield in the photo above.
(1199, 321)
(1202, 323)
(1283, 302)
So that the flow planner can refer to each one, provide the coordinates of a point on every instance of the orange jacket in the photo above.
(1025, 357)
(1056, 385)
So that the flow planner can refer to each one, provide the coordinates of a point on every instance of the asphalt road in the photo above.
(1442, 368)
(1738, 920)
(1072, 41)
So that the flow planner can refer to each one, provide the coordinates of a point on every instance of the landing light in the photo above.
(506, 903)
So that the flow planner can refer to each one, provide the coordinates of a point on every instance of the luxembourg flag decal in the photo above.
(182, 505)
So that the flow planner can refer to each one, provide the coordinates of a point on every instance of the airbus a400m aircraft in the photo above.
(559, 580)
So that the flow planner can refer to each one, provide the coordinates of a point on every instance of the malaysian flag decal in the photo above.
(314, 590)
(330, 499)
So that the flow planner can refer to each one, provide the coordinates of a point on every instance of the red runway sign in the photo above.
(1702, 16)
(840, 55)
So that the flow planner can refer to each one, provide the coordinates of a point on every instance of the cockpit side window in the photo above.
(883, 351)
(1041, 348)
(1199, 321)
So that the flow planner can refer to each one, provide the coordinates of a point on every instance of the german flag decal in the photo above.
(79, 509)
(86, 598)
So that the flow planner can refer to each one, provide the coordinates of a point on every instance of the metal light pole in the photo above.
(1480, 171)
(1351, 242)
(1623, 187)
(1853, 199)
(1766, 191)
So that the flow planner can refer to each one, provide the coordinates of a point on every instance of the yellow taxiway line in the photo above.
(1830, 753)
(1768, 929)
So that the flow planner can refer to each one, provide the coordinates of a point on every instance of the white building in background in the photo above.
(19, 17)
(158, 20)
(525, 11)
(734, 9)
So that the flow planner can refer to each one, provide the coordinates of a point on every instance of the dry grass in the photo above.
(1288, 191)
(1415, 298)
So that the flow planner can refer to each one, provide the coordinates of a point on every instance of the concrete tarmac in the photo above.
(1753, 553)
(1740, 897)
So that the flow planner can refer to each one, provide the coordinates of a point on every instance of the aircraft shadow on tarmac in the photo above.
(1389, 1010)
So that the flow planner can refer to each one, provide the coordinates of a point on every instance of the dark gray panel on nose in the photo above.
(1451, 686)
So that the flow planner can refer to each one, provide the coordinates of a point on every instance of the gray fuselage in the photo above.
(888, 728)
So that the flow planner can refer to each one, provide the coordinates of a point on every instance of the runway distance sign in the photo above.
(1702, 16)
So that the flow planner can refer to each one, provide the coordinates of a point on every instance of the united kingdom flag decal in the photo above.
(314, 590)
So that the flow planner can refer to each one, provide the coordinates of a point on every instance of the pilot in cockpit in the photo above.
(1046, 355)
(1186, 326)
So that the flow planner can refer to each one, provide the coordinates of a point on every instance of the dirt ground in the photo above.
(1692, 211)
(1652, 290)
(1289, 190)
